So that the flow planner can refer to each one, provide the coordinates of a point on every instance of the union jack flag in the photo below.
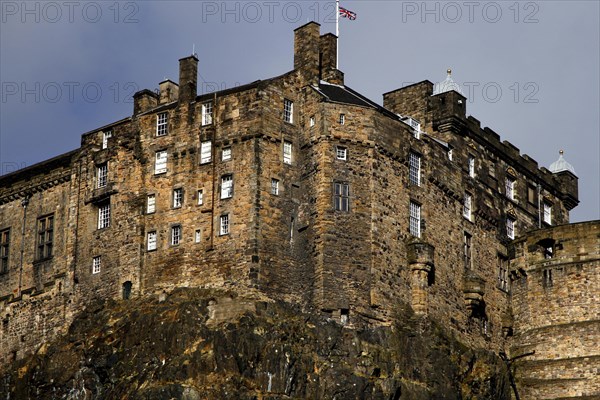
(344, 13)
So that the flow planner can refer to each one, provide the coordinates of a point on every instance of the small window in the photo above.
(160, 162)
(414, 172)
(467, 206)
(471, 166)
(151, 204)
(45, 240)
(344, 316)
(96, 264)
(4, 250)
(342, 119)
(206, 152)
(547, 213)
(102, 175)
(175, 235)
(224, 225)
(341, 153)
(510, 228)
(275, 186)
(312, 121)
(415, 219)
(341, 196)
(177, 198)
(104, 216)
(200, 197)
(207, 113)
(510, 187)
(161, 124)
(503, 281)
(531, 194)
(151, 241)
(287, 152)
(105, 136)
(288, 111)
(226, 187)
(450, 154)
(198, 236)
(226, 154)
(467, 253)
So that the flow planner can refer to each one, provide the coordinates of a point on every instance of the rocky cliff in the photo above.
(199, 344)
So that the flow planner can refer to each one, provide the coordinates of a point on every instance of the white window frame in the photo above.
(105, 136)
(287, 152)
(160, 162)
(547, 212)
(471, 166)
(197, 235)
(162, 120)
(227, 186)
(224, 227)
(311, 122)
(415, 219)
(414, 168)
(467, 206)
(96, 265)
(342, 119)
(288, 111)
(450, 154)
(177, 197)
(104, 216)
(176, 235)
(151, 203)
(151, 241)
(207, 113)
(226, 154)
(510, 227)
(200, 194)
(205, 152)
(341, 196)
(275, 186)
(102, 175)
(341, 153)
(503, 279)
(509, 187)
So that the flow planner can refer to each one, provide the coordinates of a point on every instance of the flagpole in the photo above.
(337, 33)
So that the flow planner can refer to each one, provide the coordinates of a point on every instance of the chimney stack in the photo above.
(306, 51)
(188, 79)
(328, 60)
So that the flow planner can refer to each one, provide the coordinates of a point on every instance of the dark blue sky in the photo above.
(529, 69)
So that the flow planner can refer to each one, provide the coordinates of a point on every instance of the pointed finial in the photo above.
(561, 152)
(449, 71)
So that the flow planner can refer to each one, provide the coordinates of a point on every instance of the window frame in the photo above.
(104, 215)
(547, 212)
(509, 187)
(502, 277)
(288, 149)
(101, 175)
(414, 222)
(105, 136)
(226, 154)
(342, 119)
(341, 196)
(288, 111)
(226, 191)
(471, 166)
(96, 265)
(162, 124)
(198, 236)
(200, 195)
(224, 225)
(207, 113)
(177, 197)
(158, 162)
(468, 250)
(151, 205)
(275, 186)
(468, 206)
(341, 153)
(206, 156)
(154, 242)
(511, 227)
(176, 235)
(414, 168)
(45, 237)
(4, 250)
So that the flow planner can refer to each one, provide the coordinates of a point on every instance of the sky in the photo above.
(530, 69)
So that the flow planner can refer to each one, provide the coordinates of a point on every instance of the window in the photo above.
(200, 197)
(45, 237)
(161, 124)
(471, 166)
(342, 119)
(312, 121)
(341, 196)
(467, 250)
(206, 152)
(510, 227)
(226, 154)
(288, 111)
(450, 154)
(341, 153)
(287, 152)
(414, 171)
(467, 206)
(151, 204)
(175, 235)
(105, 136)
(510, 187)
(547, 213)
(102, 175)
(160, 163)
(96, 265)
(177, 197)
(503, 282)
(4, 248)
(207, 113)
(275, 186)
(227, 186)
(151, 241)
(198, 236)
(104, 216)
(415, 219)
(224, 225)
(415, 125)
(531, 192)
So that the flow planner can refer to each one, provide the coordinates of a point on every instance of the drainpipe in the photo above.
(24, 203)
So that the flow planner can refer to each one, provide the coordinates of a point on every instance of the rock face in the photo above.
(200, 344)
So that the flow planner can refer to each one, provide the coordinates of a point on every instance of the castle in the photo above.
(299, 188)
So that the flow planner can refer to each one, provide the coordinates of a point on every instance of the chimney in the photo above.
(328, 60)
(143, 101)
(188, 79)
(169, 91)
(306, 51)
